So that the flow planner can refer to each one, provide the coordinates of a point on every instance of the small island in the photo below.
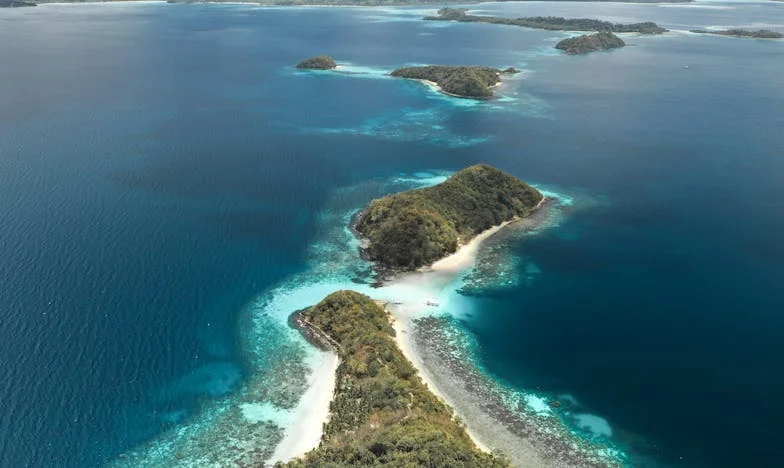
(381, 412)
(758, 34)
(460, 81)
(548, 22)
(16, 3)
(411, 229)
(590, 43)
(321, 62)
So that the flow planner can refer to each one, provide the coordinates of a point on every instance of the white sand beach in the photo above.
(410, 293)
(305, 429)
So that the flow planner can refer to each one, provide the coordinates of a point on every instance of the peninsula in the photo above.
(590, 43)
(381, 412)
(321, 62)
(548, 22)
(758, 34)
(461, 81)
(411, 229)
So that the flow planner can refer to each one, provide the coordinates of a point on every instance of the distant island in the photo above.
(16, 3)
(548, 22)
(590, 43)
(321, 62)
(461, 81)
(385, 3)
(411, 229)
(758, 34)
(381, 412)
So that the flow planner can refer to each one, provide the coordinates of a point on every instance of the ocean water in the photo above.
(172, 188)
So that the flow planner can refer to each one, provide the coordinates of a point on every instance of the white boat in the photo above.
(432, 303)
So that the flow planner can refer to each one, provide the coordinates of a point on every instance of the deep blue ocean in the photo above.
(163, 165)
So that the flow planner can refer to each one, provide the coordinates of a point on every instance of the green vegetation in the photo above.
(16, 3)
(758, 34)
(415, 228)
(381, 413)
(547, 22)
(322, 62)
(590, 43)
(462, 81)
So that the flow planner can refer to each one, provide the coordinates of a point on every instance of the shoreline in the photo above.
(405, 346)
(312, 412)
(441, 273)
(529, 433)
(465, 255)
(436, 87)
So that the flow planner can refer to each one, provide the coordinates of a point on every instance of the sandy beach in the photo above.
(433, 278)
(304, 430)
(403, 342)
(453, 382)
(466, 254)
(405, 298)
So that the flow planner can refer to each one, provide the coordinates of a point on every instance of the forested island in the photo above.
(758, 34)
(381, 412)
(16, 3)
(321, 62)
(548, 22)
(461, 81)
(410, 229)
(590, 43)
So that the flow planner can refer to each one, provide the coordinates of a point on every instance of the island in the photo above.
(460, 81)
(590, 43)
(16, 3)
(381, 412)
(407, 230)
(321, 62)
(758, 34)
(548, 22)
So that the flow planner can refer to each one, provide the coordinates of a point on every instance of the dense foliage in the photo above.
(415, 228)
(548, 22)
(322, 62)
(464, 81)
(381, 413)
(758, 34)
(590, 43)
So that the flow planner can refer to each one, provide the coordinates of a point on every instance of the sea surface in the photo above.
(171, 188)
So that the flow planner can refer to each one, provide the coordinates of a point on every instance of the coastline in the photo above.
(405, 346)
(435, 87)
(529, 433)
(465, 255)
(403, 317)
(312, 412)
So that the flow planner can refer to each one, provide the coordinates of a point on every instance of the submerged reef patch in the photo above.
(518, 421)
